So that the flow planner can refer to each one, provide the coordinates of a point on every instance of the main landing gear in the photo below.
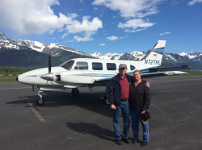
(75, 92)
(105, 99)
(40, 100)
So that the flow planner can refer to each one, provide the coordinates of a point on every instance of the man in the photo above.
(118, 95)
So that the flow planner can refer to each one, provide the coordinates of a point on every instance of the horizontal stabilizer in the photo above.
(183, 67)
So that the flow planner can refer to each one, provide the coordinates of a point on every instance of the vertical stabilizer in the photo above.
(154, 56)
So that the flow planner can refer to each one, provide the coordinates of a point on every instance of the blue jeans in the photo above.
(124, 106)
(135, 116)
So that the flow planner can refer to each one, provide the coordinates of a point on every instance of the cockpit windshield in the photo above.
(67, 65)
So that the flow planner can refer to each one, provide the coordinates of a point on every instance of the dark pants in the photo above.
(135, 116)
(124, 107)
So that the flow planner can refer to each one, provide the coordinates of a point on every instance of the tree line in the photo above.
(15, 69)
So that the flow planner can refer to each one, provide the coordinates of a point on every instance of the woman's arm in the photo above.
(147, 98)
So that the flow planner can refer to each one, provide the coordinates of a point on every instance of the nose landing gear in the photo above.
(40, 100)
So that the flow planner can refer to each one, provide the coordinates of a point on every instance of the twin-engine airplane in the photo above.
(80, 72)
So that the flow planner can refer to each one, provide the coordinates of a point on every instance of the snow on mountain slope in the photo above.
(183, 54)
(34, 45)
(108, 56)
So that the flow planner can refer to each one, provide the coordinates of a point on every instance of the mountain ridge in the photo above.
(28, 49)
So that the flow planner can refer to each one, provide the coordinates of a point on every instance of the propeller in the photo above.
(49, 63)
(48, 76)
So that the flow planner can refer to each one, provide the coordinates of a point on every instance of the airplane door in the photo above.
(83, 75)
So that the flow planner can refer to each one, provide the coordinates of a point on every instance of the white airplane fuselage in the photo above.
(82, 76)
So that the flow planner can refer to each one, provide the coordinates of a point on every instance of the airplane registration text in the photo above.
(152, 62)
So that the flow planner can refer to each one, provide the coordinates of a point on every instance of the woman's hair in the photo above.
(137, 71)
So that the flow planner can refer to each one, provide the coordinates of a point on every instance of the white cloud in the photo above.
(85, 26)
(135, 24)
(131, 8)
(52, 31)
(164, 33)
(194, 2)
(87, 37)
(112, 38)
(36, 16)
(64, 35)
(128, 30)
(174, 2)
(60, 30)
(102, 44)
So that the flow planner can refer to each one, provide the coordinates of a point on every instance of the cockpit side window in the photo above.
(68, 65)
(81, 65)
(132, 67)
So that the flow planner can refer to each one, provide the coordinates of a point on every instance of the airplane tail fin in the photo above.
(155, 55)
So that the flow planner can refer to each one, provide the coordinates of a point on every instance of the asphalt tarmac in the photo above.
(70, 123)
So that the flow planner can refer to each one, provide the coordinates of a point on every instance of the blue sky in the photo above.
(106, 26)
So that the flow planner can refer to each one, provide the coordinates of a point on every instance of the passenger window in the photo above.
(132, 67)
(111, 66)
(68, 65)
(97, 66)
(80, 65)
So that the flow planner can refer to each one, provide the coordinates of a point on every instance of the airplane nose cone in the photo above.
(17, 79)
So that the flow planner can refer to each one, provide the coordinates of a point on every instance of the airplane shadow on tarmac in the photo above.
(93, 129)
(89, 101)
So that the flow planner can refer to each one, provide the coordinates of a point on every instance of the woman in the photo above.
(139, 100)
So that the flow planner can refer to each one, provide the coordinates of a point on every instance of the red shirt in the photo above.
(124, 88)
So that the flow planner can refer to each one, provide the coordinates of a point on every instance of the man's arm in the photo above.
(110, 94)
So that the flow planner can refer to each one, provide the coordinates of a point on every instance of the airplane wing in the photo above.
(158, 74)
(183, 67)
(145, 75)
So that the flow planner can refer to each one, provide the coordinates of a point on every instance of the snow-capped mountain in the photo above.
(17, 44)
(115, 56)
(192, 55)
(139, 55)
(28, 53)
(108, 56)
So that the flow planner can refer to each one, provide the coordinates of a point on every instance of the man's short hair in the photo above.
(122, 66)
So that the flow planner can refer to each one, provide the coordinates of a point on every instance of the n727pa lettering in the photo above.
(81, 72)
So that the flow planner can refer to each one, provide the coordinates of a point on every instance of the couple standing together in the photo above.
(131, 95)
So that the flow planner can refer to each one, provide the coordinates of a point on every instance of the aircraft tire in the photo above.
(75, 92)
(105, 101)
(40, 101)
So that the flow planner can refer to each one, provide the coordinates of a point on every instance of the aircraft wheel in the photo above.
(75, 92)
(105, 101)
(40, 101)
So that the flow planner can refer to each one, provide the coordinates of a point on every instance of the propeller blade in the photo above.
(33, 88)
(49, 63)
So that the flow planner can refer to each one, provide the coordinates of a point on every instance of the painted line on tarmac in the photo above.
(15, 88)
(35, 111)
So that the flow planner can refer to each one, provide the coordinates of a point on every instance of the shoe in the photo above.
(134, 141)
(144, 144)
(119, 142)
(126, 140)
